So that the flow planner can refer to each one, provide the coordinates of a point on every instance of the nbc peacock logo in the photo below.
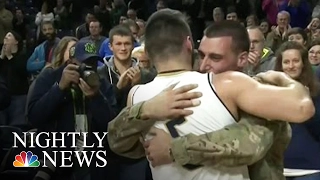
(26, 160)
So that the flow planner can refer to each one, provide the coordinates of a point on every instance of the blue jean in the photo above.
(315, 176)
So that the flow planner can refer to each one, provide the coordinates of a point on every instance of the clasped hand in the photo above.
(70, 75)
(130, 77)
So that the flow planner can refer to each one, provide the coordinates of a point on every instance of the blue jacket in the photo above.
(303, 151)
(105, 51)
(299, 16)
(37, 60)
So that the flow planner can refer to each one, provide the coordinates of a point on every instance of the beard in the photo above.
(50, 37)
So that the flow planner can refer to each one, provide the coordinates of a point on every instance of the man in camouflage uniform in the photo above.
(260, 143)
(255, 142)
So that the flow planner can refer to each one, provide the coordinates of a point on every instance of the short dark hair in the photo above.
(131, 23)
(231, 9)
(97, 22)
(165, 4)
(19, 9)
(120, 30)
(131, 9)
(90, 11)
(297, 30)
(254, 17)
(233, 29)
(18, 38)
(264, 20)
(162, 1)
(48, 22)
(166, 31)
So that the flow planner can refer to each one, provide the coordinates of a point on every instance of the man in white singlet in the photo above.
(210, 116)
(168, 44)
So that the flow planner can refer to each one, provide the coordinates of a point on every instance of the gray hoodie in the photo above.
(110, 74)
(266, 63)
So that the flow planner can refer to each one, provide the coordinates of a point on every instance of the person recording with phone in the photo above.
(73, 98)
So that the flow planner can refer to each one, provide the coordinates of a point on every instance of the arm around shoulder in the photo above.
(231, 146)
(288, 101)
(125, 130)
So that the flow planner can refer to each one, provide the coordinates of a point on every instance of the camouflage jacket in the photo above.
(252, 141)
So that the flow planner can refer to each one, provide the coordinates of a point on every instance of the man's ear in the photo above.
(189, 44)
(242, 59)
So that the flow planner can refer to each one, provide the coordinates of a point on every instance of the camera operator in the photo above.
(72, 98)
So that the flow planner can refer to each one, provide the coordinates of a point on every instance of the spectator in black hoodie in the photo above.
(13, 70)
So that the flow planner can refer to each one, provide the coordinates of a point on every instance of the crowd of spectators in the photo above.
(32, 33)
